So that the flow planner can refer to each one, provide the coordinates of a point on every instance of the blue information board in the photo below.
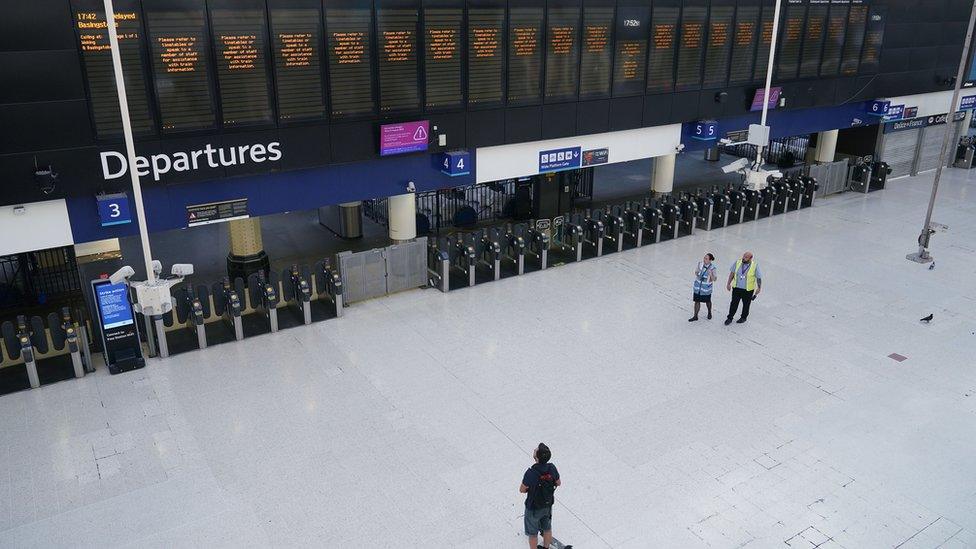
(967, 103)
(113, 304)
(455, 163)
(113, 209)
(895, 112)
(554, 160)
(878, 108)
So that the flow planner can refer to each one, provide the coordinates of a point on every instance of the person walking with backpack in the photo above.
(539, 485)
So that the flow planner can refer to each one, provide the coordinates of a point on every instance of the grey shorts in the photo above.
(538, 521)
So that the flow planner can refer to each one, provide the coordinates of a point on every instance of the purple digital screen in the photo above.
(757, 100)
(405, 137)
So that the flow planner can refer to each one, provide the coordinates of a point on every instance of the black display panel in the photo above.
(524, 55)
(486, 60)
(596, 56)
(664, 45)
(96, 55)
(442, 56)
(399, 79)
(350, 65)
(765, 40)
(857, 20)
(813, 39)
(688, 74)
(834, 41)
(744, 44)
(181, 67)
(240, 47)
(562, 53)
(296, 35)
(631, 50)
(791, 39)
(719, 46)
(873, 39)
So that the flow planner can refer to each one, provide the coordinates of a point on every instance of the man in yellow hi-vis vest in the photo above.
(745, 283)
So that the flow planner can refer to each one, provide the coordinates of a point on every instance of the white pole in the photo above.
(130, 147)
(769, 80)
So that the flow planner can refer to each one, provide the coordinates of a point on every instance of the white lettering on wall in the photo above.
(115, 164)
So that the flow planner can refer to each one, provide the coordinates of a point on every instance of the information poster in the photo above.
(788, 57)
(873, 40)
(242, 72)
(486, 62)
(595, 59)
(399, 83)
(297, 39)
(857, 20)
(562, 53)
(834, 42)
(813, 39)
(118, 329)
(181, 68)
(96, 55)
(664, 42)
(764, 43)
(524, 55)
(631, 51)
(688, 75)
(744, 44)
(350, 66)
(113, 303)
(719, 46)
(443, 56)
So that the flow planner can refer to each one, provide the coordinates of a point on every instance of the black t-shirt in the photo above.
(531, 478)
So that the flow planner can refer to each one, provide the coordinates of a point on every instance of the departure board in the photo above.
(181, 68)
(350, 65)
(744, 44)
(524, 54)
(442, 56)
(664, 45)
(631, 50)
(765, 40)
(688, 74)
(397, 34)
(791, 38)
(857, 20)
(595, 57)
(297, 41)
(813, 38)
(242, 72)
(562, 52)
(96, 55)
(486, 61)
(871, 54)
(834, 42)
(719, 46)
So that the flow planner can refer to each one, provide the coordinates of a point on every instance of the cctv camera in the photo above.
(736, 166)
(157, 266)
(411, 188)
(121, 275)
(680, 147)
(182, 269)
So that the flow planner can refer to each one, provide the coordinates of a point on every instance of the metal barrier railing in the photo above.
(782, 151)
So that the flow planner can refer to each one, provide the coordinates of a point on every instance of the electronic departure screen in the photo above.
(399, 83)
(350, 69)
(719, 46)
(688, 75)
(834, 42)
(856, 20)
(298, 62)
(788, 61)
(96, 55)
(524, 55)
(871, 54)
(181, 69)
(628, 66)
(744, 44)
(595, 58)
(486, 64)
(765, 40)
(562, 52)
(242, 72)
(664, 41)
(813, 40)
(442, 56)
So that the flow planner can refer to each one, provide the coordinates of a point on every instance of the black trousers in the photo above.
(745, 296)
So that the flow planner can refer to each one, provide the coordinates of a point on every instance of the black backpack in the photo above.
(544, 494)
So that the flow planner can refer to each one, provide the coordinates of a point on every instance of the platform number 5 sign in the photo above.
(455, 163)
(705, 130)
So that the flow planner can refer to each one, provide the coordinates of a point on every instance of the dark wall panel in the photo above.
(354, 141)
(625, 113)
(685, 107)
(523, 124)
(558, 120)
(51, 75)
(28, 25)
(486, 128)
(593, 117)
(306, 146)
(657, 109)
(40, 126)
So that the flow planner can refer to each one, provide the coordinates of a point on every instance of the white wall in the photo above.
(41, 225)
(522, 159)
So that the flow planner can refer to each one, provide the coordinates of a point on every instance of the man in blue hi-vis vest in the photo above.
(745, 283)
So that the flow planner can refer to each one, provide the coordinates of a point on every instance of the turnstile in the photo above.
(537, 244)
(569, 236)
(296, 289)
(263, 297)
(514, 249)
(328, 285)
(228, 303)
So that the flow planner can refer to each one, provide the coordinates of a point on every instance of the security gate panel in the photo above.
(406, 265)
(899, 150)
(928, 156)
(382, 271)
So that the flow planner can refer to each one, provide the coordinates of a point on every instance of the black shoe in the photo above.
(709, 316)
(728, 321)
(741, 320)
(692, 319)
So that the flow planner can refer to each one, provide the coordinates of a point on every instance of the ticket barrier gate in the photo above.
(190, 306)
(463, 258)
(721, 207)
(328, 286)
(613, 220)
(688, 216)
(296, 290)
(705, 213)
(738, 205)
(569, 236)
(28, 338)
(808, 192)
(263, 296)
(670, 219)
(653, 219)
(965, 153)
(593, 231)
(633, 223)
(767, 202)
(65, 331)
(781, 191)
(228, 302)
(795, 184)
(537, 244)
(514, 249)
(438, 265)
(488, 245)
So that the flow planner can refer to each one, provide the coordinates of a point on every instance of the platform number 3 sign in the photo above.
(455, 163)
(113, 209)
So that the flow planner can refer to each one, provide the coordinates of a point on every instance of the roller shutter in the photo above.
(932, 137)
(899, 151)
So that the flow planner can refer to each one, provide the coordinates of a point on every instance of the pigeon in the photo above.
(932, 266)
(926, 319)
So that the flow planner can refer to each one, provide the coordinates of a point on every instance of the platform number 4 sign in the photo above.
(113, 209)
(456, 163)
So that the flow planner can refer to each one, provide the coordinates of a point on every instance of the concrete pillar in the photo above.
(402, 214)
(662, 174)
(247, 253)
(826, 146)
